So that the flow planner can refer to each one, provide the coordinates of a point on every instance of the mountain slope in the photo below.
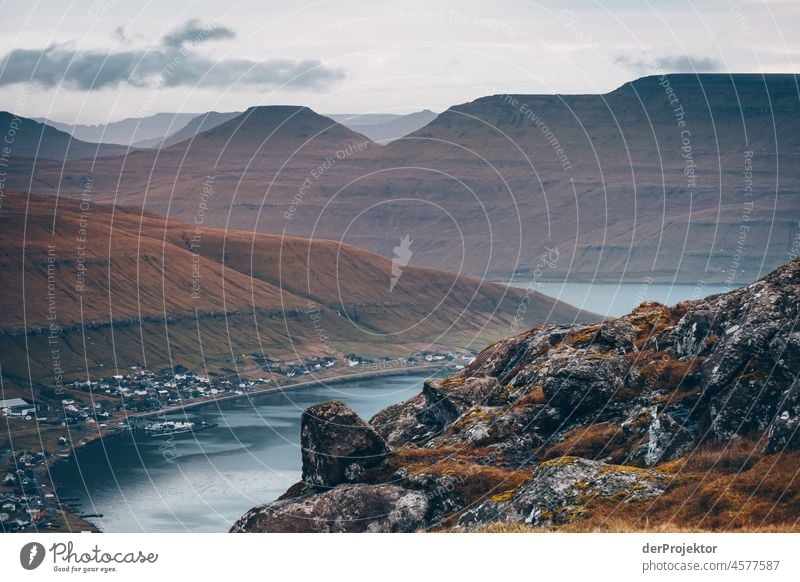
(30, 139)
(197, 125)
(681, 418)
(125, 288)
(386, 128)
(128, 132)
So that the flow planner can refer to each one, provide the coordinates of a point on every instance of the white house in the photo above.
(16, 406)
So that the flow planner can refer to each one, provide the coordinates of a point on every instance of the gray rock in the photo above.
(784, 432)
(337, 445)
(346, 508)
(559, 491)
(576, 384)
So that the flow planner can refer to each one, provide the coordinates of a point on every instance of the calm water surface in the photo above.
(251, 457)
(615, 299)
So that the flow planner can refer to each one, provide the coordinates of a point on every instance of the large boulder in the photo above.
(346, 508)
(338, 447)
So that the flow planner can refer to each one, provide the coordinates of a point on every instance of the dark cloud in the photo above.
(670, 64)
(173, 63)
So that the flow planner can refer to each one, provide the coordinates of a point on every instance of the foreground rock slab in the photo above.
(347, 508)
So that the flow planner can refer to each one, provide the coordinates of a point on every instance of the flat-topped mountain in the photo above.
(718, 111)
(668, 418)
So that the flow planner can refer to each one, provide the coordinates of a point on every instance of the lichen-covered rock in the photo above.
(346, 508)
(579, 384)
(660, 435)
(441, 492)
(518, 429)
(560, 490)
(337, 445)
(784, 432)
(400, 424)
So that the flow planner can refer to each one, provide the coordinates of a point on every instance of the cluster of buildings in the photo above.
(293, 368)
(316, 364)
(142, 390)
(24, 501)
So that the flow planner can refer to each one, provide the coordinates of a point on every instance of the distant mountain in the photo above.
(31, 139)
(653, 181)
(279, 125)
(136, 288)
(383, 128)
(133, 131)
(199, 124)
(686, 178)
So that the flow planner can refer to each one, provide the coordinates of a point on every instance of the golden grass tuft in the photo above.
(594, 441)
(535, 396)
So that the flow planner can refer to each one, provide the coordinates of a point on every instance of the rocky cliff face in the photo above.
(687, 416)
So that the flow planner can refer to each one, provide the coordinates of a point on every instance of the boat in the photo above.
(169, 428)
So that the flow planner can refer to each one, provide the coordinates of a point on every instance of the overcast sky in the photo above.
(92, 61)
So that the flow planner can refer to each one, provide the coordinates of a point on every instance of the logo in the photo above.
(31, 555)
(402, 254)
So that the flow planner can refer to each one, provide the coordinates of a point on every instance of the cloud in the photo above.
(669, 64)
(172, 63)
(194, 32)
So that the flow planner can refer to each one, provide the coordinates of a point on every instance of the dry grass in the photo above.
(763, 497)
(658, 369)
(590, 442)
(475, 482)
(736, 456)
(416, 455)
(715, 489)
(535, 396)
(622, 526)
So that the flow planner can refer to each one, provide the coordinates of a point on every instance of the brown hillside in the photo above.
(154, 290)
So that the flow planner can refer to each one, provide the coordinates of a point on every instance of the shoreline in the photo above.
(336, 379)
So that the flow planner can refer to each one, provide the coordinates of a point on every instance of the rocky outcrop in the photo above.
(545, 427)
(559, 491)
(347, 508)
(338, 447)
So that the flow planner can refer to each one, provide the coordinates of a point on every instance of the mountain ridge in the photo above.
(488, 186)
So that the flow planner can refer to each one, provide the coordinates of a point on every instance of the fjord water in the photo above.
(615, 299)
(204, 481)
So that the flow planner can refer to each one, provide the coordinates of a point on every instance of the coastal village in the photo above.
(52, 425)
